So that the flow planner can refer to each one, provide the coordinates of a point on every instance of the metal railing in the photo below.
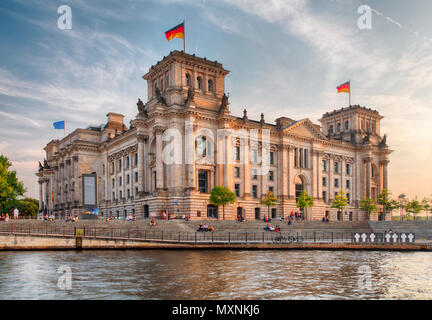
(214, 237)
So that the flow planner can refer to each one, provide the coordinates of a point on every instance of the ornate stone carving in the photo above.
(190, 96)
(159, 97)
(141, 107)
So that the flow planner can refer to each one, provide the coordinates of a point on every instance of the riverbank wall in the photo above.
(47, 242)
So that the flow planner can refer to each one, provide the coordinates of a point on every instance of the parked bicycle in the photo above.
(288, 239)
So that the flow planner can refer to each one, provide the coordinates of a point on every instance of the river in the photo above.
(224, 274)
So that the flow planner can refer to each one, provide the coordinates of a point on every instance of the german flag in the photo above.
(176, 32)
(345, 87)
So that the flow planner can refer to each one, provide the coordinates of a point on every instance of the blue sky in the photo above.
(285, 57)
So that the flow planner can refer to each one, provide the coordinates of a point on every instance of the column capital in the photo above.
(385, 162)
(367, 159)
(142, 137)
(158, 130)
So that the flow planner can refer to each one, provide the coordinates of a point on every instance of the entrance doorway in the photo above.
(240, 212)
(257, 214)
(212, 211)
(299, 186)
(146, 211)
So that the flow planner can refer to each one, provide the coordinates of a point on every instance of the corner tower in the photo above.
(172, 77)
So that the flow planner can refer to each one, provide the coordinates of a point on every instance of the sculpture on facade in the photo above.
(224, 104)
(40, 166)
(383, 142)
(366, 138)
(46, 165)
(159, 97)
(190, 96)
(141, 107)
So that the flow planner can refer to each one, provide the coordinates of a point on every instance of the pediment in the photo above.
(304, 128)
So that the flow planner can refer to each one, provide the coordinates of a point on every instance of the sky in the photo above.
(286, 58)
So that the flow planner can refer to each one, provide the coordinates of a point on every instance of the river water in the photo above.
(225, 274)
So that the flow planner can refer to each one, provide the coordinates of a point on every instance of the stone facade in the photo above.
(187, 118)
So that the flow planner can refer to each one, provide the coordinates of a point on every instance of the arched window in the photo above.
(188, 80)
(339, 127)
(346, 125)
(210, 85)
(198, 84)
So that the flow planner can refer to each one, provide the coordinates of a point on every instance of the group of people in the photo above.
(69, 218)
(50, 217)
(205, 228)
(270, 228)
(5, 218)
(325, 219)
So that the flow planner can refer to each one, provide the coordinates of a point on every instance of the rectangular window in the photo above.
(127, 179)
(128, 193)
(136, 191)
(121, 195)
(324, 196)
(324, 181)
(120, 165)
(336, 183)
(271, 176)
(202, 181)
(113, 183)
(336, 167)
(348, 184)
(127, 162)
(271, 189)
(113, 196)
(237, 190)
(136, 159)
(236, 153)
(120, 181)
(271, 157)
(347, 168)
(237, 172)
(103, 169)
(255, 191)
(301, 158)
(254, 174)
(254, 156)
(112, 167)
(295, 157)
(348, 197)
(136, 176)
(324, 165)
(305, 158)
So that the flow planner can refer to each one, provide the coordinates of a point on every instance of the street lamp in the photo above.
(401, 197)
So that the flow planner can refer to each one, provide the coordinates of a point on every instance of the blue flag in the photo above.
(59, 125)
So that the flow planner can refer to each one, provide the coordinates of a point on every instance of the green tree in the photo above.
(385, 200)
(368, 205)
(340, 201)
(304, 200)
(10, 187)
(426, 203)
(403, 201)
(221, 196)
(269, 199)
(26, 206)
(414, 207)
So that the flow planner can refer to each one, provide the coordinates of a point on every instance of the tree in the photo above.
(426, 203)
(26, 206)
(414, 207)
(368, 205)
(340, 201)
(402, 203)
(304, 200)
(269, 199)
(221, 196)
(10, 187)
(385, 201)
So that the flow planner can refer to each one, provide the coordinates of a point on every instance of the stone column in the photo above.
(283, 172)
(368, 163)
(330, 179)
(244, 156)
(228, 176)
(40, 195)
(315, 175)
(159, 164)
(385, 174)
(291, 185)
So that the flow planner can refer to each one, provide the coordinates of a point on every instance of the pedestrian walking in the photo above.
(16, 213)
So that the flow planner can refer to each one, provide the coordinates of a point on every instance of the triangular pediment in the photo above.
(304, 128)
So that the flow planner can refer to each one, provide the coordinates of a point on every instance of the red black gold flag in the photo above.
(176, 32)
(345, 87)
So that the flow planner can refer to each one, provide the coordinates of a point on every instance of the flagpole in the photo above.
(349, 94)
(184, 36)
